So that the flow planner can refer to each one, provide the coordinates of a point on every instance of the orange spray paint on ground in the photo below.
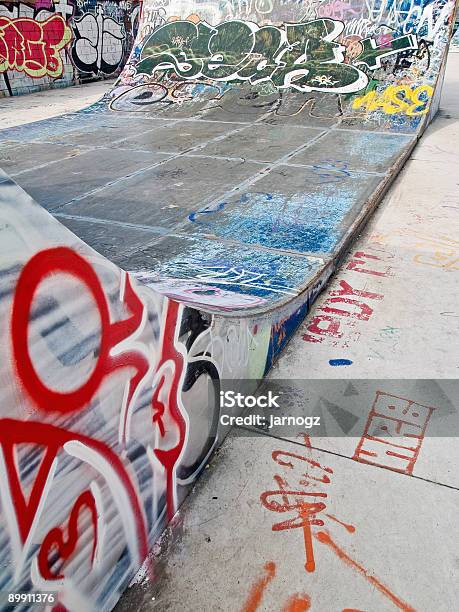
(259, 587)
(325, 538)
(299, 602)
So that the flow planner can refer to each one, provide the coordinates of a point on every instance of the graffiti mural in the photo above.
(63, 43)
(33, 47)
(99, 42)
(378, 60)
(302, 56)
(397, 99)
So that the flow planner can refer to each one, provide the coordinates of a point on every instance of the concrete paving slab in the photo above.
(274, 525)
(82, 173)
(364, 151)
(166, 194)
(261, 142)
(108, 238)
(107, 133)
(309, 214)
(176, 137)
(17, 157)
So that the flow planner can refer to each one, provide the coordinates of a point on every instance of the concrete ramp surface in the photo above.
(209, 197)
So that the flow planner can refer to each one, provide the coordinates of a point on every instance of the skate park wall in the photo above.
(110, 390)
(378, 60)
(47, 43)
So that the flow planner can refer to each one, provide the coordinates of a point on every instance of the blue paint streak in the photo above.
(340, 362)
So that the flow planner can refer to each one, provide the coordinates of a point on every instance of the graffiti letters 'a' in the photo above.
(302, 56)
(33, 47)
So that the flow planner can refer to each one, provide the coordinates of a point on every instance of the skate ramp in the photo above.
(217, 204)
(243, 144)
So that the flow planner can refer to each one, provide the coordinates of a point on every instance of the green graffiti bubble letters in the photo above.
(301, 56)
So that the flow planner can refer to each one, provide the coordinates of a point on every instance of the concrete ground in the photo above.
(376, 535)
(286, 523)
(18, 110)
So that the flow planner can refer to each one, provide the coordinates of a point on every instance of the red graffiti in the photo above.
(55, 538)
(394, 433)
(358, 262)
(33, 47)
(344, 306)
(331, 328)
(170, 370)
(288, 499)
(66, 261)
(52, 439)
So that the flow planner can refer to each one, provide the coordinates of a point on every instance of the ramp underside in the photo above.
(252, 206)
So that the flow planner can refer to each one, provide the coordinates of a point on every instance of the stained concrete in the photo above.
(57, 184)
(392, 550)
(18, 110)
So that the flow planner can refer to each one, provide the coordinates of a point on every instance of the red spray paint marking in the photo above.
(299, 602)
(358, 262)
(349, 528)
(324, 538)
(259, 587)
(400, 417)
(331, 321)
(169, 353)
(352, 610)
(345, 289)
(295, 500)
(310, 564)
(331, 329)
(55, 538)
(66, 261)
(306, 512)
(52, 438)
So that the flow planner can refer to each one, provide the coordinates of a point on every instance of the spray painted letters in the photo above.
(303, 56)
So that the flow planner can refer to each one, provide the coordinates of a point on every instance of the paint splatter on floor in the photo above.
(340, 362)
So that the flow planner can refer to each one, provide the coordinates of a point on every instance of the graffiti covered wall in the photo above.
(53, 43)
(379, 59)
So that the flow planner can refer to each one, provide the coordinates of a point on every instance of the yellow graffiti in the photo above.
(397, 99)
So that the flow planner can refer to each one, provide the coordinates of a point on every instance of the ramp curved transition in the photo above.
(213, 191)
